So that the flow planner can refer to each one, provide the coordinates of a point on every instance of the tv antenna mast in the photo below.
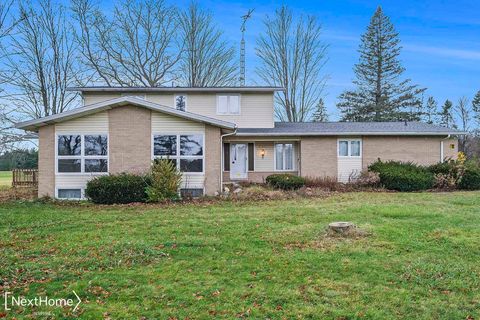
(242, 46)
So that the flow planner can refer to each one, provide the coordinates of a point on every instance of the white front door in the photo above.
(238, 161)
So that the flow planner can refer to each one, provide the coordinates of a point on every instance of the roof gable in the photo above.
(33, 125)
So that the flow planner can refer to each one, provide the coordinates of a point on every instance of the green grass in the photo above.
(5, 178)
(263, 260)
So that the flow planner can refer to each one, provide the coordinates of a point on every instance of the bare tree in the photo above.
(41, 63)
(292, 56)
(137, 46)
(207, 60)
(464, 114)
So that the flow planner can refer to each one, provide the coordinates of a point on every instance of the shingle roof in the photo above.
(349, 128)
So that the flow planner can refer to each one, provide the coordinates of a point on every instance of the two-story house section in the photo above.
(215, 136)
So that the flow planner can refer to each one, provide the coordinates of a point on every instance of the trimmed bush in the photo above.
(119, 188)
(285, 181)
(470, 179)
(403, 176)
(166, 180)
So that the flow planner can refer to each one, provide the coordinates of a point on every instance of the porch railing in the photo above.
(25, 178)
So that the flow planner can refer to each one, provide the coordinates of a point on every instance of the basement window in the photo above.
(69, 194)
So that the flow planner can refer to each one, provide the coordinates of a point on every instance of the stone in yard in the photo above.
(238, 190)
(341, 227)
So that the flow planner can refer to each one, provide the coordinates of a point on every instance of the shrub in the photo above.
(402, 176)
(470, 179)
(120, 188)
(285, 181)
(445, 181)
(166, 181)
(326, 183)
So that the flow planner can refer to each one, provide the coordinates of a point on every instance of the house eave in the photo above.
(33, 125)
(177, 89)
(297, 134)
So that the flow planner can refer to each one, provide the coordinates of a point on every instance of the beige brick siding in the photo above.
(46, 161)
(448, 151)
(212, 159)
(421, 150)
(129, 139)
(318, 157)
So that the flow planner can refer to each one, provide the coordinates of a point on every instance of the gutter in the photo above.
(222, 160)
(339, 133)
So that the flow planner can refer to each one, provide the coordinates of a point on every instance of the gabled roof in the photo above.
(349, 129)
(33, 125)
(177, 89)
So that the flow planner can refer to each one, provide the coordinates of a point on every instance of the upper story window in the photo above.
(181, 102)
(228, 104)
(349, 148)
(82, 153)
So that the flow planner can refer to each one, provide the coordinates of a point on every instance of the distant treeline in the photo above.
(19, 159)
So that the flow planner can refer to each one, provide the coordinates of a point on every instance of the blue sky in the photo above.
(441, 39)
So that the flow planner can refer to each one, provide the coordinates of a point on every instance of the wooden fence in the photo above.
(25, 178)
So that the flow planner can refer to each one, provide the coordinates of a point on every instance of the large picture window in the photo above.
(82, 153)
(186, 150)
(349, 148)
(284, 157)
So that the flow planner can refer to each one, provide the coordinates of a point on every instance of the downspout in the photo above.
(441, 147)
(222, 155)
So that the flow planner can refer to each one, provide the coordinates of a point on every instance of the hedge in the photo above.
(403, 176)
(119, 188)
(285, 181)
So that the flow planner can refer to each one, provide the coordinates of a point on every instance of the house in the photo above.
(215, 135)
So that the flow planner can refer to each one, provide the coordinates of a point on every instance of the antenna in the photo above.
(242, 46)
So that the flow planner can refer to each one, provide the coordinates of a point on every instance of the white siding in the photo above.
(266, 164)
(95, 123)
(163, 123)
(349, 168)
(256, 109)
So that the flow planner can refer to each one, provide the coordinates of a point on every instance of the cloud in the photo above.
(444, 52)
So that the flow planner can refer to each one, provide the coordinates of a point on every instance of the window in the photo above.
(69, 193)
(228, 104)
(185, 150)
(284, 154)
(191, 192)
(349, 148)
(82, 153)
(181, 102)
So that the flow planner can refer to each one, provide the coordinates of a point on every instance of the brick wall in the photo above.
(212, 159)
(46, 161)
(318, 156)
(129, 139)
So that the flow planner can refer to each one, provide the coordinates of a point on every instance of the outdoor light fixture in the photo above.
(452, 146)
(262, 153)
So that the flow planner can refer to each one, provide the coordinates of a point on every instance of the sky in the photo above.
(440, 40)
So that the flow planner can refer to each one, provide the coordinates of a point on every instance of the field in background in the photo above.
(5, 179)
(416, 259)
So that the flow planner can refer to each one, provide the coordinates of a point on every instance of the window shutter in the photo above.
(226, 157)
(251, 157)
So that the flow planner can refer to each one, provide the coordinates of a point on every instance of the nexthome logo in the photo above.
(12, 301)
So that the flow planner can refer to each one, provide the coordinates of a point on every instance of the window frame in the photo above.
(178, 156)
(349, 148)
(175, 101)
(294, 164)
(82, 155)
(81, 188)
(142, 96)
(229, 113)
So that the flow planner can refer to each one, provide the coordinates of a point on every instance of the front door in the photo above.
(238, 161)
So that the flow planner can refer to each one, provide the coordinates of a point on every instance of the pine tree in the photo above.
(476, 110)
(380, 94)
(431, 110)
(320, 114)
(446, 115)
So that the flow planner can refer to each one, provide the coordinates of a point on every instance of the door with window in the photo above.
(238, 161)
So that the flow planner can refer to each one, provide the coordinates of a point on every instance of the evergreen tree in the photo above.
(380, 94)
(320, 114)
(446, 115)
(476, 110)
(431, 110)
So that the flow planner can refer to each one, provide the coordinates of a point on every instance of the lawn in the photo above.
(5, 178)
(258, 260)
